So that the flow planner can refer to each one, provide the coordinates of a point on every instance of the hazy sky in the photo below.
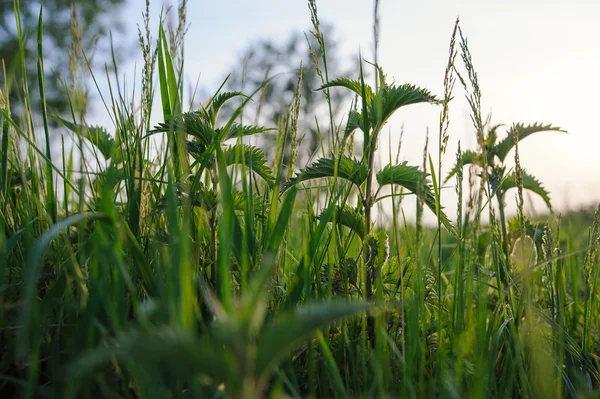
(537, 61)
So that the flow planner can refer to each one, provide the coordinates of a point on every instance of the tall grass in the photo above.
(197, 268)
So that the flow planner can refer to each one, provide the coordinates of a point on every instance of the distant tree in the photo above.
(86, 21)
(268, 58)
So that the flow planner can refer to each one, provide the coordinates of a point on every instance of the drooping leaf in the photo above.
(96, 135)
(349, 168)
(410, 177)
(291, 329)
(350, 84)
(349, 217)
(390, 98)
(253, 158)
(468, 158)
(403, 175)
(530, 183)
(503, 148)
(355, 121)
(193, 123)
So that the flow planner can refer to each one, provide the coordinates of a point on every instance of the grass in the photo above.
(199, 268)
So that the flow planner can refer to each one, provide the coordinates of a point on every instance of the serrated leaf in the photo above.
(349, 217)
(390, 98)
(503, 148)
(195, 149)
(293, 328)
(530, 183)
(219, 100)
(468, 158)
(96, 135)
(253, 158)
(377, 248)
(355, 121)
(350, 84)
(237, 130)
(203, 197)
(410, 177)
(349, 168)
(193, 123)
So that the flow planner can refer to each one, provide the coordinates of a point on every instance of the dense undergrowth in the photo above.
(199, 268)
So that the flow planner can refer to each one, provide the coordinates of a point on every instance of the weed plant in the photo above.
(178, 261)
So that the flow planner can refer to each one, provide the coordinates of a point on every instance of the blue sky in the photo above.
(537, 61)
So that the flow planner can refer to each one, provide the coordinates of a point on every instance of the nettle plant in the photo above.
(205, 142)
(377, 106)
(491, 158)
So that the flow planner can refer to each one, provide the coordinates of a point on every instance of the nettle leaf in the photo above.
(253, 158)
(351, 218)
(354, 85)
(237, 130)
(195, 149)
(410, 177)
(96, 135)
(390, 98)
(492, 135)
(219, 100)
(196, 124)
(101, 139)
(377, 248)
(530, 183)
(468, 158)
(350, 169)
(503, 148)
(355, 121)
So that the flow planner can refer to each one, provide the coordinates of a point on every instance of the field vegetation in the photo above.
(174, 260)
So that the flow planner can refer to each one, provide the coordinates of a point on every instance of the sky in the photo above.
(537, 61)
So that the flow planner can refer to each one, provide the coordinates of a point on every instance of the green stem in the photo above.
(505, 246)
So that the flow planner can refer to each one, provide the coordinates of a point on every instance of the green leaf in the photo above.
(34, 267)
(530, 183)
(253, 158)
(219, 100)
(349, 217)
(355, 121)
(503, 148)
(295, 327)
(195, 149)
(353, 85)
(390, 98)
(377, 248)
(350, 169)
(403, 175)
(237, 130)
(410, 177)
(254, 303)
(193, 123)
(468, 158)
(176, 349)
(96, 135)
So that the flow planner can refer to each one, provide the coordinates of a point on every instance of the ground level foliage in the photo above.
(177, 260)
